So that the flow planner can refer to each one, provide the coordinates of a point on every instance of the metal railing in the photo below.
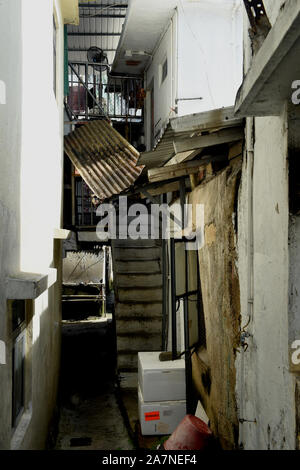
(94, 93)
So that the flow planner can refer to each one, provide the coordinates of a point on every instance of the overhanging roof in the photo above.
(104, 159)
(268, 83)
(192, 132)
(100, 25)
(145, 22)
(70, 11)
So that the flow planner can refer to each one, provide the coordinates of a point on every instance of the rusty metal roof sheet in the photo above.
(104, 159)
(185, 127)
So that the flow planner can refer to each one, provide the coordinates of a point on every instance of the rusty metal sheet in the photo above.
(186, 127)
(105, 160)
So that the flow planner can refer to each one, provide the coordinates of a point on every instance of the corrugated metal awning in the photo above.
(189, 127)
(104, 159)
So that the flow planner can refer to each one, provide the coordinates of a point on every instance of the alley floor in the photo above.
(90, 416)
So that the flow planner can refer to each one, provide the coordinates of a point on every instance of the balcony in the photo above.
(95, 94)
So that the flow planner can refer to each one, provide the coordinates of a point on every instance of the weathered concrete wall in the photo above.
(265, 388)
(214, 368)
(294, 279)
(30, 204)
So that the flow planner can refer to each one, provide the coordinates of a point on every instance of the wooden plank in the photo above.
(194, 181)
(156, 157)
(235, 150)
(217, 118)
(163, 189)
(216, 138)
(183, 157)
(181, 169)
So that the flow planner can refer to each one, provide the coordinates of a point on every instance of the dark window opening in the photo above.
(86, 204)
(18, 359)
(164, 71)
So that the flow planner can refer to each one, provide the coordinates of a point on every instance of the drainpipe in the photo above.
(250, 139)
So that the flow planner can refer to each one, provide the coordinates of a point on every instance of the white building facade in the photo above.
(267, 385)
(31, 154)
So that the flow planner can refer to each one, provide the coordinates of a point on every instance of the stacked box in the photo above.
(162, 393)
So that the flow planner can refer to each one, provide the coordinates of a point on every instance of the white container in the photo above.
(160, 381)
(160, 418)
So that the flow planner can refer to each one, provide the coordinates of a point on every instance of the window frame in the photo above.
(20, 332)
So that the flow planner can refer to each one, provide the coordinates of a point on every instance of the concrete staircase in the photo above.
(138, 299)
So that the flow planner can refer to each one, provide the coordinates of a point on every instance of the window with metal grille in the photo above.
(86, 204)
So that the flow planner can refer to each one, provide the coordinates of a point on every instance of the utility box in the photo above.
(160, 381)
(161, 417)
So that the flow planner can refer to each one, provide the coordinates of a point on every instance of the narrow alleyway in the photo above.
(90, 418)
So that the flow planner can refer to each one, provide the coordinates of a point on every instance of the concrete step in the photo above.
(132, 294)
(134, 343)
(138, 280)
(135, 243)
(144, 253)
(137, 266)
(128, 380)
(138, 310)
(127, 361)
(139, 325)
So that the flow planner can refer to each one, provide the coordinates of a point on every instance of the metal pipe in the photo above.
(101, 16)
(173, 296)
(86, 95)
(77, 33)
(164, 284)
(200, 313)
(188, 365)
(100, 5)
(85, 49)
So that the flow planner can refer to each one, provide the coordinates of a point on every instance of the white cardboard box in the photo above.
(159, 418)
(160, 381)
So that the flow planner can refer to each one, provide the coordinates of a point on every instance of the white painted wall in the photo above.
(164, 92)
(209, 54)
(204, 48)
(265, 388)
(31, 134)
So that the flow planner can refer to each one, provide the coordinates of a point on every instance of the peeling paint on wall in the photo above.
(214, 368)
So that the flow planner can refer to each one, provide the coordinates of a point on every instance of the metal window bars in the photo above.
(94, 94)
